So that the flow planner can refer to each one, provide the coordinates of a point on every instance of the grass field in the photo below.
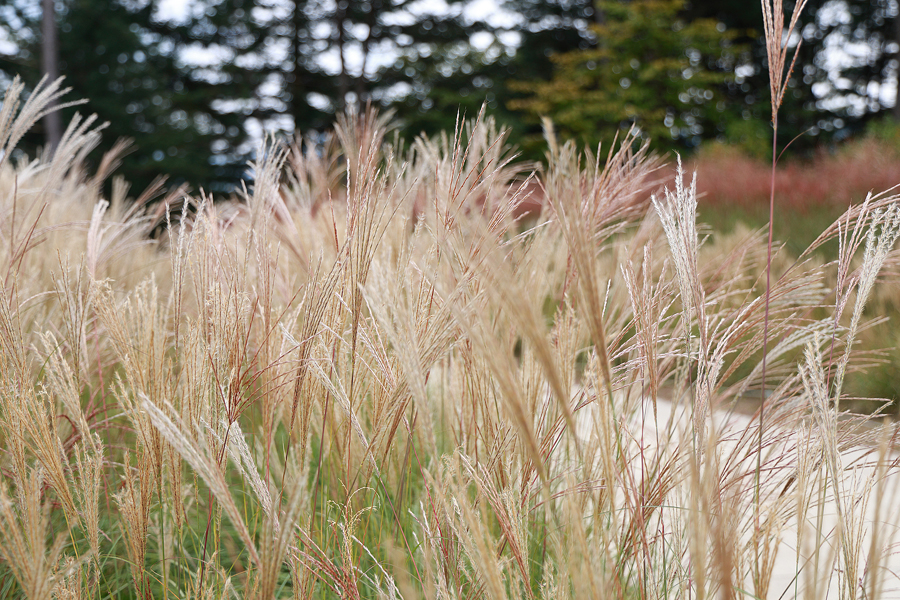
(367, 377)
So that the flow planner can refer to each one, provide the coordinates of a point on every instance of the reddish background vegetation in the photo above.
(726, 178)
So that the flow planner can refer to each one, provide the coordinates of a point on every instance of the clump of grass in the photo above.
(366, 377)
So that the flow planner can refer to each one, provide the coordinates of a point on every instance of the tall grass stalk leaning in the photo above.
(777, 48)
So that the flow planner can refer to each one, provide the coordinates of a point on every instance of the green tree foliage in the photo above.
(649, 68)
(459, 78)
(845, 73)
(455, 85)
(195, 92)
(853, 86)
(126, 64)
(544, 29)
(322, 56)
(435, 73)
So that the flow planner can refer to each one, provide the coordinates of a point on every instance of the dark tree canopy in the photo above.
(649, 68)
(195, 92)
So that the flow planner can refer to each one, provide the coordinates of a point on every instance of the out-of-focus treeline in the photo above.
(195, 87)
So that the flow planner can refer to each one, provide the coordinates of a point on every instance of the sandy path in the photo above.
(820, 560)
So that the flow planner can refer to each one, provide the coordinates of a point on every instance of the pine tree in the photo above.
(271, 66)
(545, 29)
(435, 72)
(854, 91)
(649, 68)
(125, 63)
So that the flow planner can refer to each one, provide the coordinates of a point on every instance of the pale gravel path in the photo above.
(854, 477)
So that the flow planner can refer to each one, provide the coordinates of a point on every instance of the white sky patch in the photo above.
(482, 40)
(491, 13)
(379, 56)
(429, 7)
(384, 54)
(7, 46)
(174, 11)
(200, 56)
(841, 54)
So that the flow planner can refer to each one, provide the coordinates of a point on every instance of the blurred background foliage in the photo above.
(195, 84)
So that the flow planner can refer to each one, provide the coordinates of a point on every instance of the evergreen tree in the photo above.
(649, 68)
(546, 29)
(803, 118)
(846, 71)
(454, 78)
(435, 73)
(452, 82)
(264, 65)
(126, 64)
(857, 88)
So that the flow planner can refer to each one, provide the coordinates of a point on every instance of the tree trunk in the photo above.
(362, 87)
(297, 88)
(343, 77)
(896, 110)
(50, 69)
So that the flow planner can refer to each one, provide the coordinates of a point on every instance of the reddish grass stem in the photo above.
(765, 348)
